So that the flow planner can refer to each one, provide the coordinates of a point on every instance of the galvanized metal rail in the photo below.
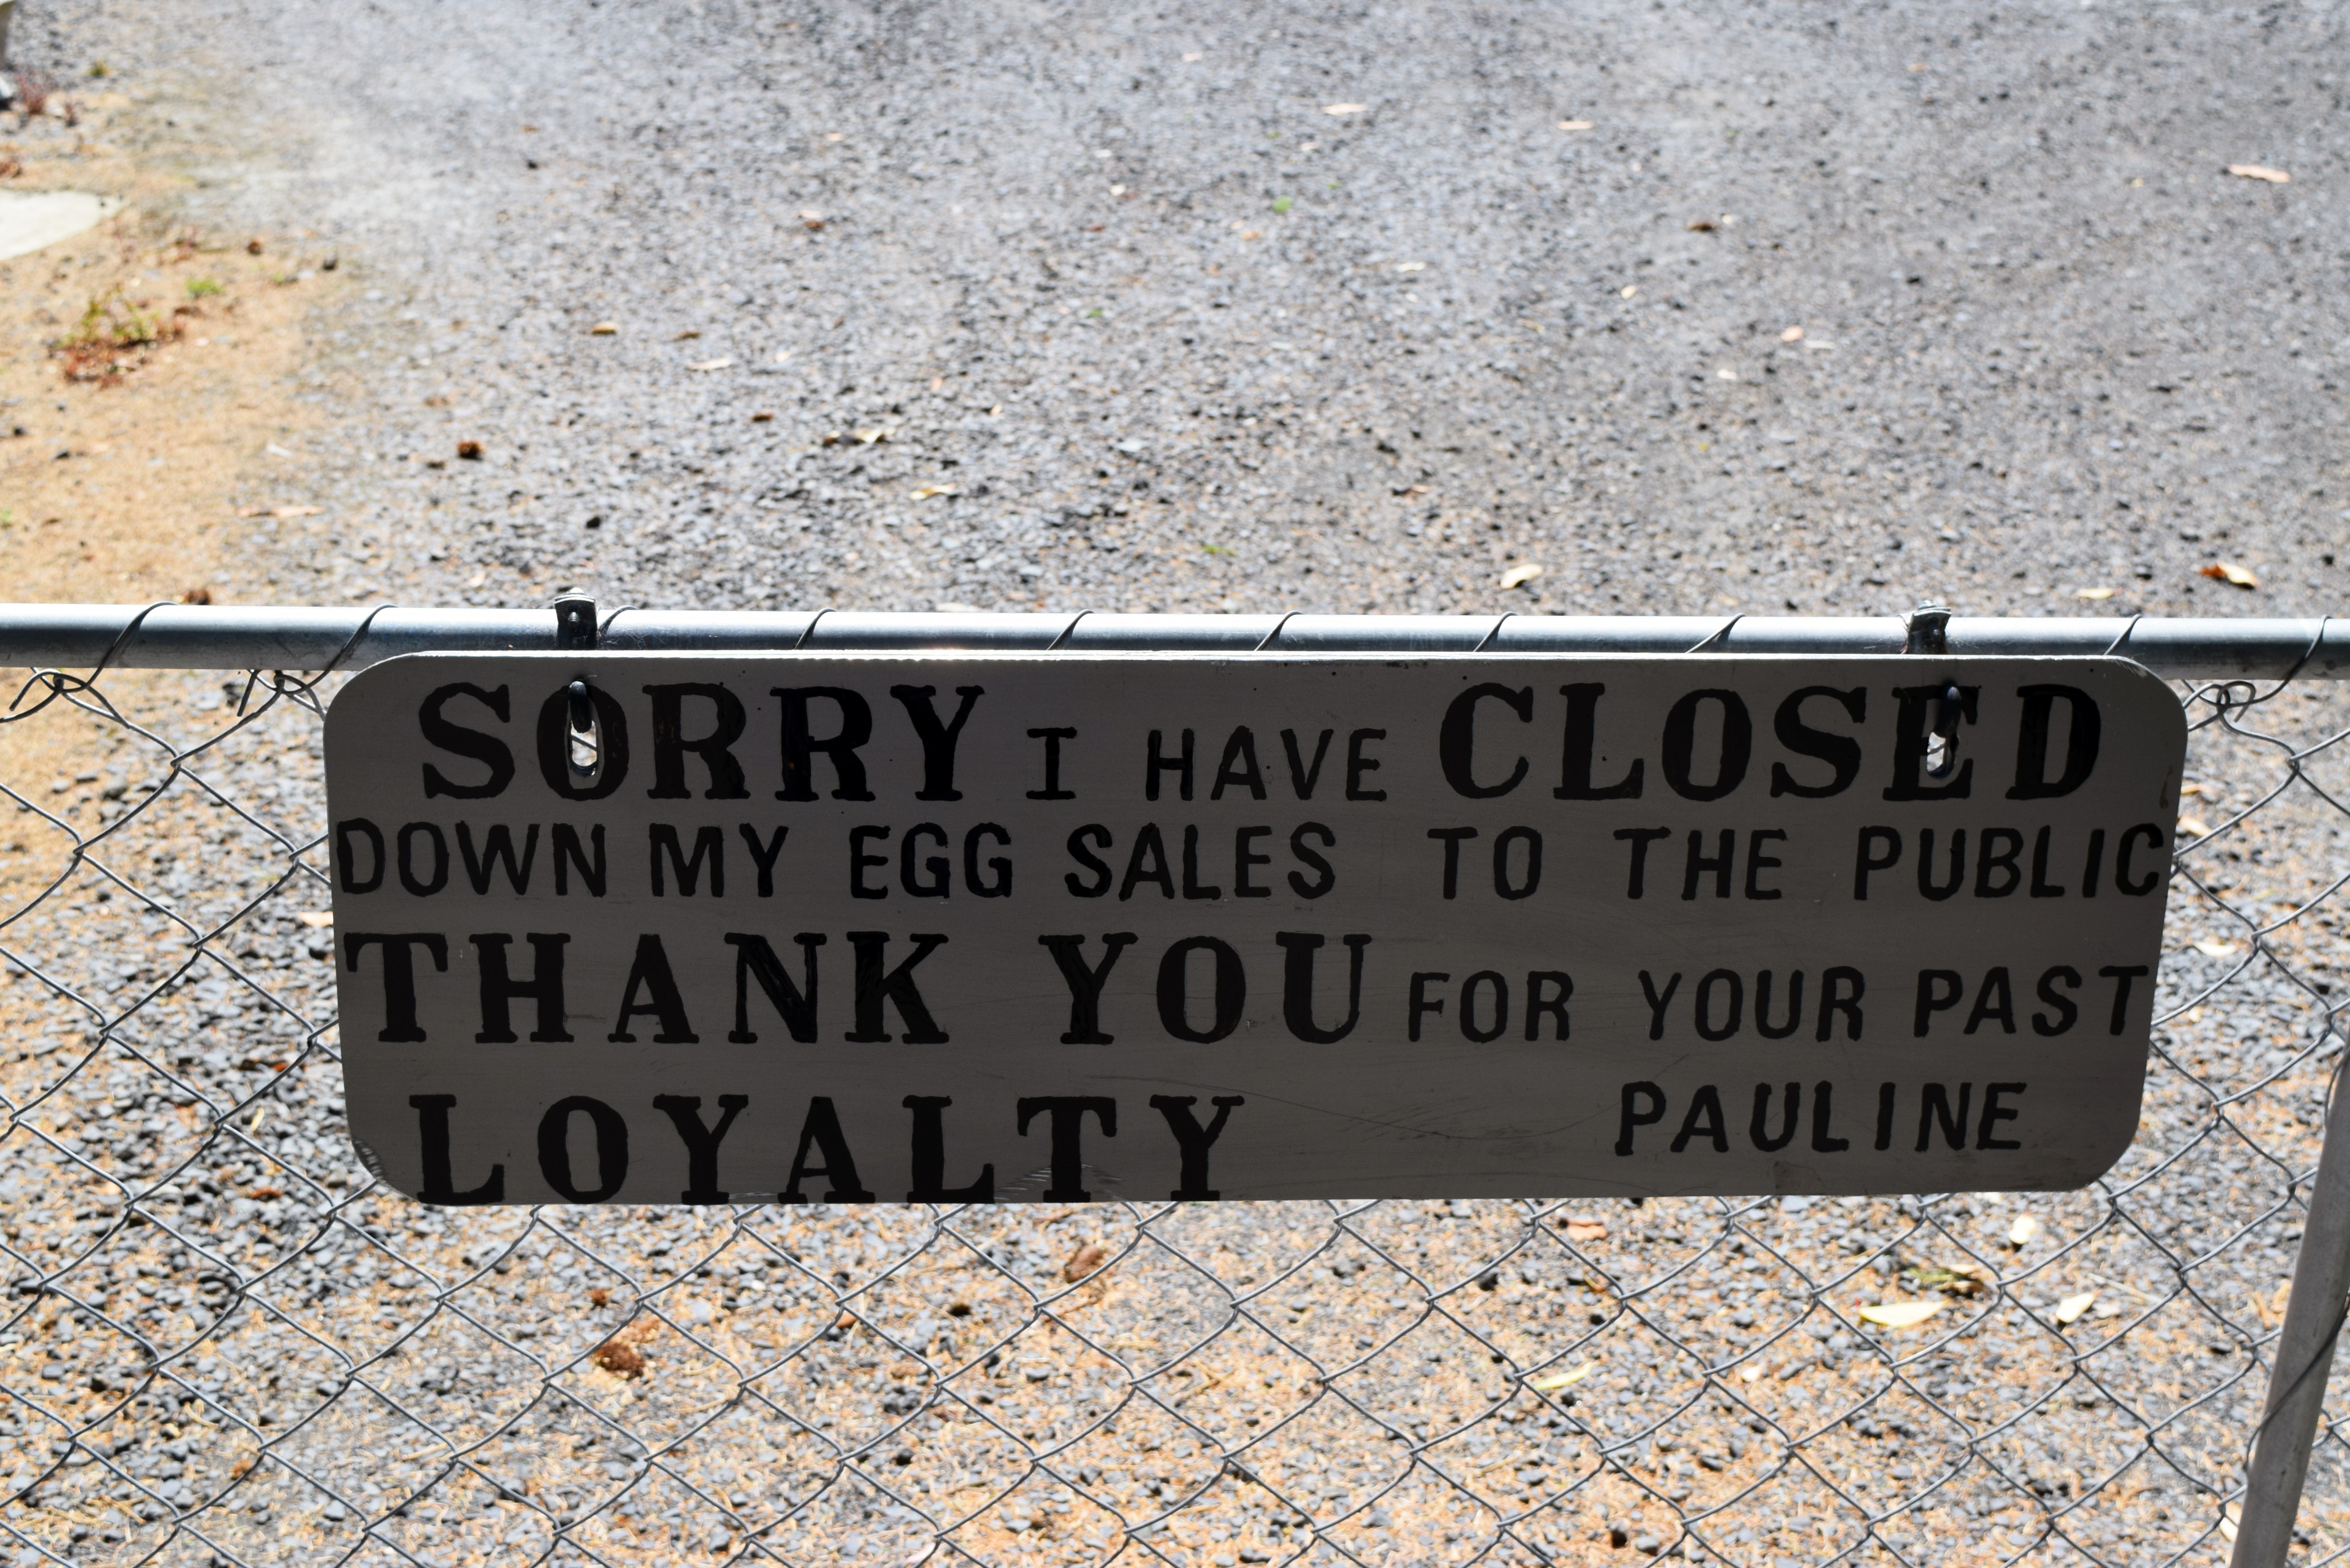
(190, 637)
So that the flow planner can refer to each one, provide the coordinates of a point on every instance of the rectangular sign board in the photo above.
(660, 929)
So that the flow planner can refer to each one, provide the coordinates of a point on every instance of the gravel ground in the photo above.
(1154, 331)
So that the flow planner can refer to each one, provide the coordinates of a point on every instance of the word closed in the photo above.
(844, 927)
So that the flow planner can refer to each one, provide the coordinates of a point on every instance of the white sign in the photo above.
(645, 929)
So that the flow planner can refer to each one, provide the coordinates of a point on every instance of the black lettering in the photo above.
(1939, 990)
(1841, 753)
(1095, 834)
(997, 883)
(1193, 1140)
(1580, 746)
(1822, 1112)
(1639, 838)
(1052, 739)
(1085, 982)
(424, 887)
(1523, 888)
(1648, 1115)
(1157, 762)
(1418, 1005)
(1681, 746)
(709, 848)
(1706, 1103)
(939, 739)
(2095, 863)
(821, 1131)
(1886, 838)
(1995, 1110)
(1759, 1129)
(2041, 886)
(755, 959)
(1327, 877)
(1699, 864)
(859, 861)
(1242, 885)
(650, 975)
(1298, 948)
(439, 1185)
(1841, 990)
(1559, 988)
(2151, 835)
(1884, 1116)
(346, 857)
(568, 856)
(500, 989)
(1358, 764)
(1934, 1107)
(1912, 732)
(1927, 886)
(1999, 851)
(1994, 999)
(684, 1111)
(450, 736)
(1452, 838)
(2121, 975)
(896, 987)
(935, 886)
(400, 1023)
(1757, 863)
(1230, 990)
(801, 744)
(1240, 748)
(1701, 1005)
(1302, 778)
(2081, 737)
(1065, 1118)
(715, 748)
(763, 854)
(930, 1157)
(2067, 1013)
(1656, 1004)
(497, 849)
(1763, 1024)
(554, 738)
(555, 1149)
(1155, 869)
(1469, 1028)
(1192, 886)
(1456, 740)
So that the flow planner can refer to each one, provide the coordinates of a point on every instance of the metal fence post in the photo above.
(2304, 1356)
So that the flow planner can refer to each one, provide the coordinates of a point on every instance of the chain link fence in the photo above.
(221, 1341)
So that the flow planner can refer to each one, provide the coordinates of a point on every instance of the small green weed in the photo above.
(198, 288)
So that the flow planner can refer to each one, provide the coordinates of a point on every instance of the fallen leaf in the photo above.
(869, 437)
(620, 1358)
(195, 596)
(2255, 171)
(1283, 203)
(2092, 593)
(1522, 574)
(812, 219)
(1587, 1230)
(1574, 124)
(316, 919)
(1793, 335)
(711, 365)
(1701, 226)
(2196, 826)
(2023, 1230)
(2229, 571)
(598, 1296)
(1900, 1314)
(765, 416)
(2212, 947)
(2190, 788)
(603, 329)
(2070, 1309)
(1561, 1379)
(1084, 1261)
(1344, 108)
(690, 332)
(471, 451)
(927, 490)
